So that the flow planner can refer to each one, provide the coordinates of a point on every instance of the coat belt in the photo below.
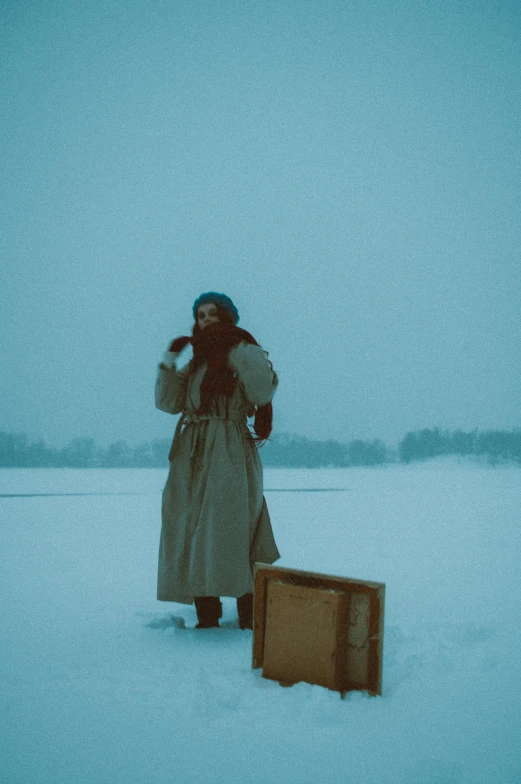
(195, 419)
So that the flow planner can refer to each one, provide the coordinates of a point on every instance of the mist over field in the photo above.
(281, 449)
(348, 173)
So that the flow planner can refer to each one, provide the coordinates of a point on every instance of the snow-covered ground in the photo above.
(99, 686)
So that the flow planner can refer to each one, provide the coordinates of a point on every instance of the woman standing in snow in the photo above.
(215, 522)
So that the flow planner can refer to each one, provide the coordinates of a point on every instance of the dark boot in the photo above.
(245, 611)
(209, 609)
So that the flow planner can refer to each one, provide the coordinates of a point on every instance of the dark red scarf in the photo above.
(213, 346)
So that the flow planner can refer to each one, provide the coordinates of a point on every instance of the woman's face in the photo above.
(206, 315)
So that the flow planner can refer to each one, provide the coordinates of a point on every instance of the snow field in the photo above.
(99, 684)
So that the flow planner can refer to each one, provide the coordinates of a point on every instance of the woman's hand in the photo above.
(177, 345)
(175, 348)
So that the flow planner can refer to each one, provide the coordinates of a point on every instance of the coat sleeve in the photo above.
(255, 372)
(171, 388)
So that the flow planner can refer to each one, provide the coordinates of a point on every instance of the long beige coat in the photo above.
(215, 522)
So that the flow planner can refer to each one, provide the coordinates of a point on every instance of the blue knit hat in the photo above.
(217, 299)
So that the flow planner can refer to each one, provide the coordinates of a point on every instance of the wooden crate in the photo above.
(318, 628)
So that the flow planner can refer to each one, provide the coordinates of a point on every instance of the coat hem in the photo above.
(187, 599)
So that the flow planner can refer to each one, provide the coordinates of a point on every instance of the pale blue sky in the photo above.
(348, 172)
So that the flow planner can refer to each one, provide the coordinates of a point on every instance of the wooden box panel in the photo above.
(318, 628)
(358, 638)
(301, 640)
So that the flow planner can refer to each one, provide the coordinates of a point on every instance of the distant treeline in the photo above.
(282, 450)
(16, 451)
(495, 446)
(299, 452)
